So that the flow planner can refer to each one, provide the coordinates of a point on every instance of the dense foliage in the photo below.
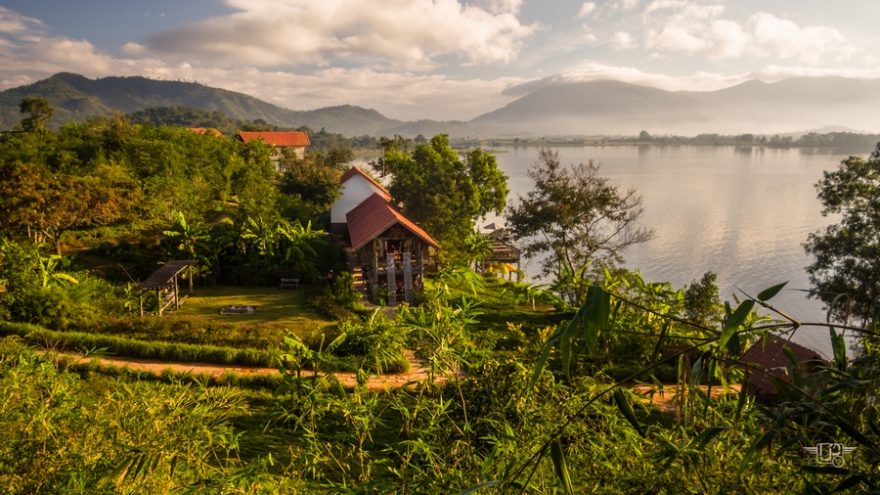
(846, 270)
(444, 191)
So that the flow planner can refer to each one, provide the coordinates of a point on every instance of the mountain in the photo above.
(77, 98)
(612, 107)
(584, 108)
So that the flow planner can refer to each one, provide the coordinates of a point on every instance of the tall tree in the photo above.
(39, 112)
(847, 254)
(578, 219)
(442, 190)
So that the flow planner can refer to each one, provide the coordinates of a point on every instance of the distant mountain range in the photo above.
(587, 108)
(611, 107)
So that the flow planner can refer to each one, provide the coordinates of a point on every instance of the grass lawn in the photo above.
(274, 307)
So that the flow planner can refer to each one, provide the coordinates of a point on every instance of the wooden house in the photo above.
(766, 361)
(505, 256)
(297, 141)
(387, 252)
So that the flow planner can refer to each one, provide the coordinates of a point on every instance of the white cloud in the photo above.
(777, 37)
(586, 9)
(410, 34)
(596, 71)
(504, 6)
(692, 27)
(12, 22)
(404, 95)
(623, 41)
(627, 4)
(695, 81)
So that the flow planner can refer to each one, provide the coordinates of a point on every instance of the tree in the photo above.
(579, 219)
(847, 254)
(701, 302)
(442, 190)
(48, 205)
(39, 112)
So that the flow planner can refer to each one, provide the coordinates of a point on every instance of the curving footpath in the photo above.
(417, 373)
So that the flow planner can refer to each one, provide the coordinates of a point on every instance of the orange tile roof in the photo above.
(353, 171)
(374, 216)
(206, 130)
(277, 138)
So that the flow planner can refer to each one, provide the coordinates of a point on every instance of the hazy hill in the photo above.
(77, 98)
(610, 107)
(588, 108)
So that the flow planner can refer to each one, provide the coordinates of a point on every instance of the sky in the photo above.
(437, 59)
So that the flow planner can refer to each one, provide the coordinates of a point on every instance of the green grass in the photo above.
(286, 308)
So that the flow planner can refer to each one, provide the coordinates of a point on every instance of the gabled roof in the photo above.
(210, 131)
(163, 277)
(767, 354)
(353, 171)
(374, 216)
(277, 138)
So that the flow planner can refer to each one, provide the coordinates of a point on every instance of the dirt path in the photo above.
(417, 373)
(665, 398)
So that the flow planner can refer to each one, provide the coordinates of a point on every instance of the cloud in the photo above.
(12, 22)
(697, 28)
(597, 71)
(31, 56)
(586, 9)
(776, 37)
(695, 81)
(623, 41)
(626, 4)
(411, 34)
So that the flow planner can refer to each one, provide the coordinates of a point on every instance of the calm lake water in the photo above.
(742, 213)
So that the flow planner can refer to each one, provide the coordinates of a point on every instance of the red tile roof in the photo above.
(353, 171)
(374, 216)
(767, 354)
(206, 130)
(285, 138)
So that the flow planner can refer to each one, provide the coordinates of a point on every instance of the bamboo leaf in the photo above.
(850, 482)
(735, 320)
(595, 313)
(838, 346)
(560, 465)
(755, 447)
(475, 489)
(706, 436)
(770, 292)
(627, 411)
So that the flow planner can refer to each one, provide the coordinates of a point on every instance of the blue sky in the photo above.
(441, 59)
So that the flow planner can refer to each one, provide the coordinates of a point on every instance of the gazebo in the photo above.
(165, 282)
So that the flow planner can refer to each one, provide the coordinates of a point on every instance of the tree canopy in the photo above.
(580, 220)
(443, 190)
(846, 270)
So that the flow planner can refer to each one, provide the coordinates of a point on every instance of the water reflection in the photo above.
(741, 212)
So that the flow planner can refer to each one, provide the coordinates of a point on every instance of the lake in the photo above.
(743, 213)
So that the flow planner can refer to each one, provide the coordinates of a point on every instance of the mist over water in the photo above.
(743, 213)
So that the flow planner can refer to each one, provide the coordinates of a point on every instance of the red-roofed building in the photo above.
(387, 251)
(280, 140)
(766, 362)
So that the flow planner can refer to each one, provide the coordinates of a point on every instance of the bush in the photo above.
(163, 351)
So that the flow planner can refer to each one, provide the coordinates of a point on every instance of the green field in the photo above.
(274, 307)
